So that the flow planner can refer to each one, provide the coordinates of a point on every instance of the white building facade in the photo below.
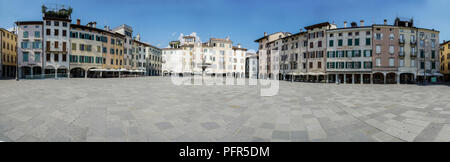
(30, 51)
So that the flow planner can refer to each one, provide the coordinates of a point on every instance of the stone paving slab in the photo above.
(154, 109)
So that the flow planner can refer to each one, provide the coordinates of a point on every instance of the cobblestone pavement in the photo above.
(153, 109)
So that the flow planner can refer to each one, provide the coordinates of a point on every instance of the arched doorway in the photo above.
(366, 78)
(62, 72)
(378, 78)
(391, 78)
(37, 71)
(321, 78)
(407, 78)
(26, 72)
(77, 72)
(49, 72)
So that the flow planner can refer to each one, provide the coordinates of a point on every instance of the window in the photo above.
(56, 45)
(311, 45)
(391, 62)
(367, 41)
(340, 42)
(64, 57)
(433, 54)
(74, 46)
(356, 42)
(320, 44)
(391, 49)
(25, 56)
(37, 45)
(310, 65)
(56, 32)
(319, 65)
(391, 36)
(413, 63)
(378, 62)
(64, 46)
(37, 34)
(56, 57)
(64, 24)
(24, 44)
(331, 43)
(56, 23)
(402, 63)
(379, 36)
(81, 47)
(48, 23)
(378, 49)
(422, 65)
(25, 34)
(37, 57)
(64, 33)
(48, 57)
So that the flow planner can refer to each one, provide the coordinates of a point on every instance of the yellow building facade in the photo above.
(8, 53)
(445, 59)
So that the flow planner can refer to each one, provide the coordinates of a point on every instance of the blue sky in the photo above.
(160, 21)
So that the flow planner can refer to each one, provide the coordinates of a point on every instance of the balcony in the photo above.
(401, 54)
(413, 42)
(401, 41)
(413, 54)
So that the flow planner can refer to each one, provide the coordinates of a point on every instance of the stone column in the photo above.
(31, 74)
(345, 78)
(353, 78)
(371, 78)
(56, 73)
(85, 73)
(398, 78)
(336, 78)
(361, 80)
(384, 77)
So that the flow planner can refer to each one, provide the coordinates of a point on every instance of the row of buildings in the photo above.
(54, 47)
(216, 57)
(379, 53)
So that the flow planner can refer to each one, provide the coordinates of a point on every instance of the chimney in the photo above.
(239, 45)
(361, 23)
(78, 21)
(265, 33)
(385, 21)
(345, 24)
(107, 28)
(301, 30)
(95, 24)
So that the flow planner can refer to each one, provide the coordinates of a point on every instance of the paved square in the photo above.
(154, 109)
